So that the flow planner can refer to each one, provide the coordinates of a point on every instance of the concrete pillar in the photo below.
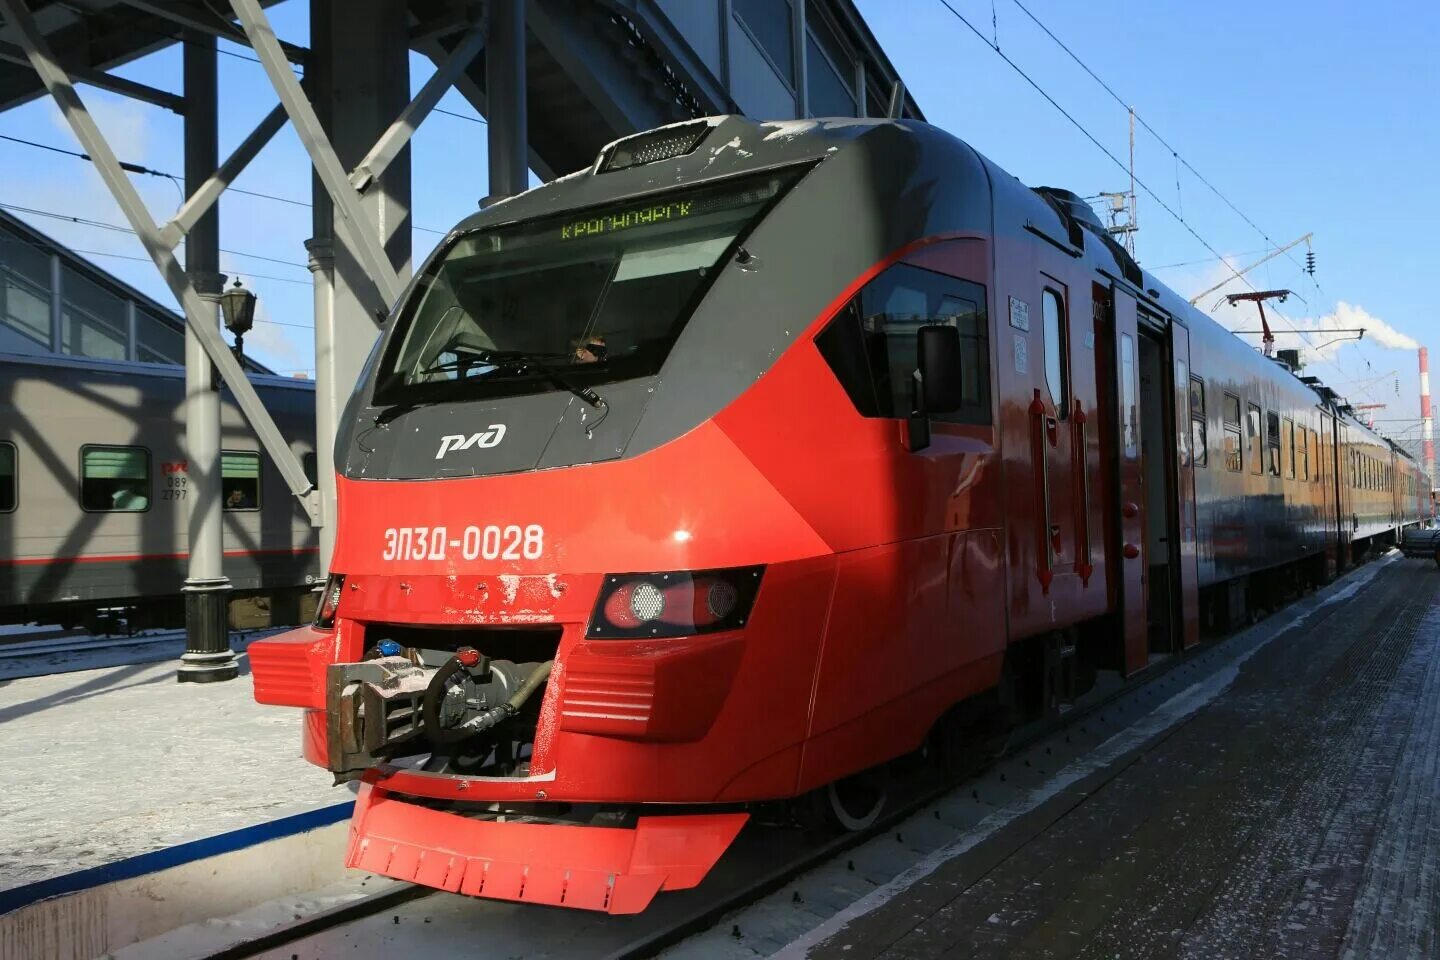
(359, 81)
(207, 656)
(509, 134)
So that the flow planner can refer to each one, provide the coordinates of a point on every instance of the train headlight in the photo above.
(329, 601)
(678, 604)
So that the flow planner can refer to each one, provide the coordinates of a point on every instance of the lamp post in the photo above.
(237, 306)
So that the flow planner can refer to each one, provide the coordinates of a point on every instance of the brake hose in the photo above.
(435, 691)
(511, 706)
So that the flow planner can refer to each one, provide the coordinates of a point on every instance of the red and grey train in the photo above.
(737, 464)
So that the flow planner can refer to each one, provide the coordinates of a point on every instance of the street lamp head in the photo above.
(237, 305)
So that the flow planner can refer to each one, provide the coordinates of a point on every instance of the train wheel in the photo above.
(849, 805)
(855, 803)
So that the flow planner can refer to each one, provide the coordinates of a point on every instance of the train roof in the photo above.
(138, 369)
(720, 147)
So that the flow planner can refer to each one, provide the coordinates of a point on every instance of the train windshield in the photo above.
(590, 297)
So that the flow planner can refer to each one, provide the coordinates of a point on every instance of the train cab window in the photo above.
(870, 346)
(8, 486)
(1272, 442)
(1230, 417)
(1197, 422)
(1056, 341)
(1289, 448)
(506, 311)
(1255, 440)
(115, 479)
(240, 480)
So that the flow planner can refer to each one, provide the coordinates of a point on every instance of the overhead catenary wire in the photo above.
(132, 257)
(1179, 159)
(1122, 166)
(117, 228)
(137, 168)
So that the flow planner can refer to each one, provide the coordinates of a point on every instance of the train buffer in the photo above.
(1279, 801)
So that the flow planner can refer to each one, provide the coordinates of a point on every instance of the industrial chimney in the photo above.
(1427, 423)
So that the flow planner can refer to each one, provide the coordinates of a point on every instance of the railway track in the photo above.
(765, 859)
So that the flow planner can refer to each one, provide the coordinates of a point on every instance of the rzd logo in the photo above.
(483, 439)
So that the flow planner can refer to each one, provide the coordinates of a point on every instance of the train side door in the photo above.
(1127, 559)
(1051, 415)
(1188, 405)
(1330, 494)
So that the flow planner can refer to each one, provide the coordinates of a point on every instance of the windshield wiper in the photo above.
(519, 360)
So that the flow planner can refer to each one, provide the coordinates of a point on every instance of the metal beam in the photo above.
(505, 88)
(360, 229)
(200, 202)
(184, 15)
(198, 316)
(393, 140)
(99, 78)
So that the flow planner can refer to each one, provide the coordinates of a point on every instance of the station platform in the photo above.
(1281, 803)
(108, 766)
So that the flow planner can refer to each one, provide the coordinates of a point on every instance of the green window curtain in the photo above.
(240, 466)
(127, 463)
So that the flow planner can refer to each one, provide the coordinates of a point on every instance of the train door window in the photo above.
(1255, 439)
(870, 346)
(1302, 452)
(1056, 343)
(1230, 417)
(1129, 415)
(1288, 453)
(9, 488)
(240, 480)
(1272, 441)
(1197, 421)
(115, 479)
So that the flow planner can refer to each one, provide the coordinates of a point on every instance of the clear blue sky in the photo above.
(1310, 116)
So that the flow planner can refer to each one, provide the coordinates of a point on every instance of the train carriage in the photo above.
(740, 463)
(94, 497)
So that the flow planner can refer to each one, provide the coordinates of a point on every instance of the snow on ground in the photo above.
(103, 764)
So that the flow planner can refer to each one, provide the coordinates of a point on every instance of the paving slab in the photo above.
(1293, 814)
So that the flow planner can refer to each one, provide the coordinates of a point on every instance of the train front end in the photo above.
(572, 627)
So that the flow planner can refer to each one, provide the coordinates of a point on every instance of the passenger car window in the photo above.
(1197, 422)
(8, 487)
(1255, 437)
(1272, 441)
(115, 479)
(240, 480)
(1128, 413)
(1231, 422)
(1056, 343)
(870, 346)
(1289, 448)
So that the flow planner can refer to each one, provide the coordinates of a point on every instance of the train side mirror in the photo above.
(938, 360)
(935, 385)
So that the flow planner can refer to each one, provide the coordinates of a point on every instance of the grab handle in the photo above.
(1081, 429)
(1045, 548)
